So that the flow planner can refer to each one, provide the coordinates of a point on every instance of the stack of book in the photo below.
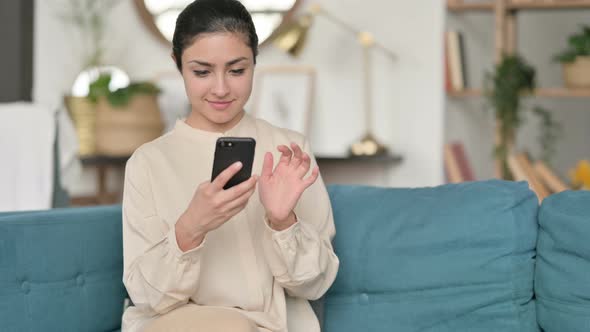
(542, 180)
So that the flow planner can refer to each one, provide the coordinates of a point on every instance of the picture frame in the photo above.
(284, 96)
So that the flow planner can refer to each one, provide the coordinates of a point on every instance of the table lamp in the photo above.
(291, 39)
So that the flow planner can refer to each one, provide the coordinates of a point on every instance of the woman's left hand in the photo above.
(281, 189)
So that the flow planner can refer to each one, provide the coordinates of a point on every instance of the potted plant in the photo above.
(512, 79)
(576, 59)
(125, 118)
(87, 18)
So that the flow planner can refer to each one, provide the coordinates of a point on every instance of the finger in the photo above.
(241, 200)
(297, 155)
(267, 165)
(304, 167)
(285, 154)
(237, 191)
(223, 177)
(312, 178)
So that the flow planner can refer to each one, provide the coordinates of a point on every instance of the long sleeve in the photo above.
(157, 274)
(301, 257)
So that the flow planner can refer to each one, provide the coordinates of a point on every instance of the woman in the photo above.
(200, 258)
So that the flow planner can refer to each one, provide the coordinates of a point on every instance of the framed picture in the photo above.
(284, 96)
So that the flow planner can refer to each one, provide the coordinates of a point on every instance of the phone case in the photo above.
(229, 150)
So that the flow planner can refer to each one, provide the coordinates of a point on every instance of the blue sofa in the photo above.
(480, 256)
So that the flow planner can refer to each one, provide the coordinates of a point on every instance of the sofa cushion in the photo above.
(562, 278)
(61, 270)
(451, 258)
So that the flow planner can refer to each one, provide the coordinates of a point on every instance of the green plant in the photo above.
(578, 45)
(88, 17)
(550, 132)
(120, 97)
(511, 80)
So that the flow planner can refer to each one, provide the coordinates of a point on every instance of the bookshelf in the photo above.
(505, 15)
(459, 6)
(542, 92)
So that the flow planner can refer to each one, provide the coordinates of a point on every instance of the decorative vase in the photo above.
(83, 114)
(577, 74)
(121, 130)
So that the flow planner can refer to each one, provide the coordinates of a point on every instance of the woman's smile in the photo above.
(220, 105)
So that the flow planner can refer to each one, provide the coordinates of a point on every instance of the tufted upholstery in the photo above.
(444, 259)
(562, 276)
(60, 270)
(449, 258)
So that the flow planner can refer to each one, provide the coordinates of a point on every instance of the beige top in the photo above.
(244, 264)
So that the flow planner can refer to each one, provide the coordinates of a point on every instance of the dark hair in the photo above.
(208, 16)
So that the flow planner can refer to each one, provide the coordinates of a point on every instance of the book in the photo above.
(549, 178)
(538, 186)
(452, 169)
(462, 161)
(455, 50)
(515, 168)
(457, 165)
(447, 69)
(522, 170)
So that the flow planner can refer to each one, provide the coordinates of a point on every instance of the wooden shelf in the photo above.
(489, 6)
(99, 160)
(542, 92)
(560, 4)
(377, 159)
(120, 161)
(462, 7)
(563, 93)
(464, 93)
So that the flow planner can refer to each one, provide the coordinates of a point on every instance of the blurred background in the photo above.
(390, 93)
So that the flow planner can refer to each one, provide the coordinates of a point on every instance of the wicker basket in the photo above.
(83, 114)
(577, 74)
(119, 131)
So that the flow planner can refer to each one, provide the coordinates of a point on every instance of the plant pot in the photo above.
(121, 130)
(83, 115)
(577, 74)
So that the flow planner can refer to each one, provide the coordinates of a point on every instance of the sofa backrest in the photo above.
(562, 275)
(61, 270)
(451, 258)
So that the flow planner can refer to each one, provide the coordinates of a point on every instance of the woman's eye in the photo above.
(201, 73)
(237, 71)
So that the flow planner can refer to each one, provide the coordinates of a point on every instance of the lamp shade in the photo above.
(291, 37)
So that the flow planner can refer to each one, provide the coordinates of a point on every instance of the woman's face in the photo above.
(218, 69)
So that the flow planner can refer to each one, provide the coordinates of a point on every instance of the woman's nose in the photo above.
(220, 89)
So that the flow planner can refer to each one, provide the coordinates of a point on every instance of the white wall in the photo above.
(538, 41)
(408, 94)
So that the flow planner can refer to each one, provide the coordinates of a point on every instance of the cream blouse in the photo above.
(244, 265)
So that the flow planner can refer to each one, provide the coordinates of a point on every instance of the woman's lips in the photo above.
(219, 105)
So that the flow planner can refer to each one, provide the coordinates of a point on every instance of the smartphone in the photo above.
(229, 150)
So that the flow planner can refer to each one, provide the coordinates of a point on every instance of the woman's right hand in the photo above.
(212, 206)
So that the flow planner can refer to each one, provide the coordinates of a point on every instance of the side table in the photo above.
(102, 164)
